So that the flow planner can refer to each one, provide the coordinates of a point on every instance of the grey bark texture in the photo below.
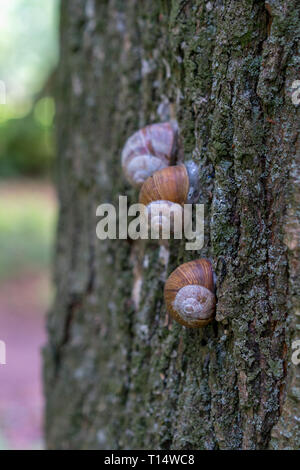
(119, 374)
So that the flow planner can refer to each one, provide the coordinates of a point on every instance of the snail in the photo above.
(165, 193)
(189, 293)
(148, 150)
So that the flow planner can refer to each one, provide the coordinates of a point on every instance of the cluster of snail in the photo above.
(146, 159)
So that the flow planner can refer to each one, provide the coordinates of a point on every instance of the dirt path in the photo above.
(22, 322)
(24, 297)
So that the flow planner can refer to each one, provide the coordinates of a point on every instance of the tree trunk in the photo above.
(119, 374)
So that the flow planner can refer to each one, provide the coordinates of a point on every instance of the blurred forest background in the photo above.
(28, 57)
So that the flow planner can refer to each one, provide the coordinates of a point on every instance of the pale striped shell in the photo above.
(148, 150)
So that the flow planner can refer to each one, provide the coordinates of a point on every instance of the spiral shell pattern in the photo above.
(148, 150)
(164, 218)
(189, 294)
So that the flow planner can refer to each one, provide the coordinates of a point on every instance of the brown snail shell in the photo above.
(148, 150)
(168, 184)
(189, 294)
(163, 195)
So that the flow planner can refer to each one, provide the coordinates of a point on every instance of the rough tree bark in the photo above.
(118, 372)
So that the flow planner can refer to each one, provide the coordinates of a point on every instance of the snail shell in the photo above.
(164, 217)
(189, 294)
(148, 150)
(168, 184)
(164, 194)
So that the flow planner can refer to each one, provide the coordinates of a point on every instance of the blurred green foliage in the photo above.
(27, 225)
(28, 56)
(26, 146)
